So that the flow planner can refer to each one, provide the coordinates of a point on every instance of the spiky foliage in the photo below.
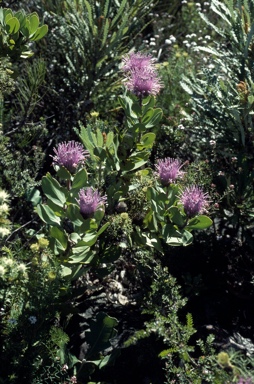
(222, 98)
(88, 40)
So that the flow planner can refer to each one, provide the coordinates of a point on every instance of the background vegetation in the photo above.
(164, 314)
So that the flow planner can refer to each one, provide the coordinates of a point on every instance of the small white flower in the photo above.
(4, 196)
(8, 262)
(21, 268)
(12, 321)
(4, 232)
(168, 41)
(32, 319)
(2, 270)
(4, 208)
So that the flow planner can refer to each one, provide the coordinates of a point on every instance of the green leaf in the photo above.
(63, 173)
(99, 137)
(89, 239)
(81, 254)
(199, 222)
(102, 330)
(73, 213)
(59, 235)
(53, 190)
(100, 152)
(172, 235)
(80, 179)
(47, 215)
(33, 195)
(25, 28)
(7, 14)
(65, 271)
(187, 237)
(40, 33)
(155, 118)
(109, 140)
(60, 240)
(34, 23)
(12, 25)
(147, 141)
(103, 228)
(176, 217)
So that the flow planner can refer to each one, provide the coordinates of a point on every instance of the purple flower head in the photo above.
(143, 83)
(69, 155)
(89, 201)
(245, 381)
(194, 200)
(137, 61)
(141, 75)
(168, 170)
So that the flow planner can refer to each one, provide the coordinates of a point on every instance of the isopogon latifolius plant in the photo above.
(76, 204)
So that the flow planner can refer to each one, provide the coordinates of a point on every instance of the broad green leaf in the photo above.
(80, 179)
(25, 28)
(12, 25)
(99, 138)
(73, 213)
(176, 217)
(74, 237)
(7, 15)
(81, 253)
(199, 222)
(102, 229)
(132, 164)
(187, 237)
(155, 118)
(34, 23)
(147, 116)
(86, 137)
(99, 214)
(65, 271)
(21, 16)
(147, 141)
(40, 33)
(172, 235)
(100, 152)
(63, 173)
(53, 190)
(60, 237)
(109, 140)
(1, 16)
(33, 195)
(102, 330)
(89, 239)
(47, 215)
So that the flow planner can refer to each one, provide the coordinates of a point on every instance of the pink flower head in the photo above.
(73, 379)
(142, 77)
(194, 200)
(89, 201)
(143, 83)
(245, 381)
(168, 170)
(69, 155)
(137, 61)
